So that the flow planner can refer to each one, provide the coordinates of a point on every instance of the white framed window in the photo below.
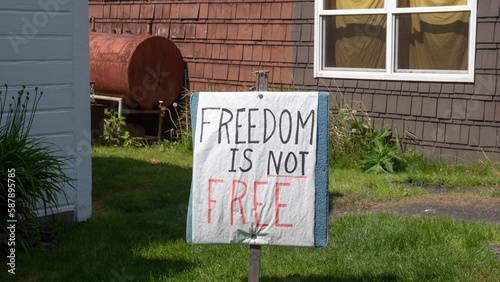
(417, 40)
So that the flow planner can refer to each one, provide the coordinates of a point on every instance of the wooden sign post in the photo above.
(261, 84)
(260, 170)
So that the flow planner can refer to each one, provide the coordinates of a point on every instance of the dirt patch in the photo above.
(458, 203)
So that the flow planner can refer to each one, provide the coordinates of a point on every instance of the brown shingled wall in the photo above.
(224, 42)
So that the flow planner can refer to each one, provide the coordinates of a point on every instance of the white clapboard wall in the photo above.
(44, 43)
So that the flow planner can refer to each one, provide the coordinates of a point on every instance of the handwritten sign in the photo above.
(260, 169)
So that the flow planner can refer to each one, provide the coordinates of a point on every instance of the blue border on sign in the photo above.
(194, 113)
(322, 178)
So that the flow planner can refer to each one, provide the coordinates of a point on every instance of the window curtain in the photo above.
(353, 4)
(426, 40)
(434, 40)
(357, 41)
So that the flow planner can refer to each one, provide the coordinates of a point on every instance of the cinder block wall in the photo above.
(224, 42)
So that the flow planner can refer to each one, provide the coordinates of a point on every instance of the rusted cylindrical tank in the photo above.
(143, 69)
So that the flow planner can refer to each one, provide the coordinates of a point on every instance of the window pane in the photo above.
(436, 41)
(430, 3)
(353, 4)
(357, 41)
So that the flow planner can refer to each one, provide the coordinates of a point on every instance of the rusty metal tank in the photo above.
(143, 69)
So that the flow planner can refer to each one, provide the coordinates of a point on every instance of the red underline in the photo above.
(289, 176)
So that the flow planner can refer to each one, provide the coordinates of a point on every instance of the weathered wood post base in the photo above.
(261, 80)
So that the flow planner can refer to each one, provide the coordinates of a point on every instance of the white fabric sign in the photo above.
(254, 168)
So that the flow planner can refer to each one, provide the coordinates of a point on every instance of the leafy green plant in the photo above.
(356, 142)
(379, 154)
(38, 173)
(380, 157)
(115, 132)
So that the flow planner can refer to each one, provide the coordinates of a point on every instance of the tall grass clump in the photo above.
(179, 114)
(355, 142)
(36, 172)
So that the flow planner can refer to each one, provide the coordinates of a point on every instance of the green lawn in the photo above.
(357, 187)
(137, 233)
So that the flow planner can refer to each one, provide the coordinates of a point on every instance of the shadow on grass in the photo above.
(332, 198)
(134, 203)
(331, 278)
(146, 197)
(164, 268)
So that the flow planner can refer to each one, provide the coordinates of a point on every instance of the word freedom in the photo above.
(255, 126)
